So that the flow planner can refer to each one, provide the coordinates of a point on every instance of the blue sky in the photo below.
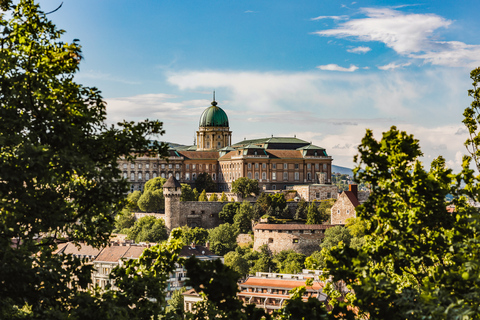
(321, 70)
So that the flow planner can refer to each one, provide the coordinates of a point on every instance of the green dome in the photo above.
(214, 116)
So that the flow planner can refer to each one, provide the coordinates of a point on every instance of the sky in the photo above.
(323, 71)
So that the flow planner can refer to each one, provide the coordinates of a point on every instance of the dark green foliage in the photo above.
(265, 262)
(152, 201)
(123, 220)
(223, 197)
(194, 235)
(213, 197)
(288, 261)
(220, 292)
(419, 261)
(132, 201)
(58, 171)
(318, 214)
(243, 218)
(223, 238)
(204, 182)
(148, 229)
(301, 212)
(245, 187)
(334, 235)
(296, 309)
(237, 262)
(228, 212)
(187, 193)
(175, 306)
(471, 119)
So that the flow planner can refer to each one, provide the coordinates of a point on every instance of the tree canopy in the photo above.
(59, 174)
(204, 182)
(245, 187)
(148, 229)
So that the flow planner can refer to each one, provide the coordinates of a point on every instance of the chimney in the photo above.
(193, 245)
(207, 245)
(353, 188)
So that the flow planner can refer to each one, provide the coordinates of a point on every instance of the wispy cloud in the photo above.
(90, 74)
(250, 11)
(359, 50)
(410, 35)
(392, 66)
(330, 17)
(336, 67)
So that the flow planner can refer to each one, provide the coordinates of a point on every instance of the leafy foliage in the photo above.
(228, 212)
(223, 238)
(124, 220)
(193, 235)
(289, 261)
(237, 262)
(152, 201)
(245, 187)
(203, 196)
(318, 214)
(471, 118)
(418, 260)
(213, 197)
(223, 197)
(302, 208)
(132, 200)
(148, 229)
(204, 182)
(243, 218)
(58, 169)
(187, 193)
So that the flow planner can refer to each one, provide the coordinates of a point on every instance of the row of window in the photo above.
(147, 176)
(147, 166)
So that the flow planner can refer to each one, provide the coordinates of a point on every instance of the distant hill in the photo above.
(342, 170)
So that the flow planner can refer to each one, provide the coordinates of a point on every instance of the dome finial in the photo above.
(214, 103)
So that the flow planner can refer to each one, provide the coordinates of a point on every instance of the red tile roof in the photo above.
(292, 226)
(197, 155)
(276, 283)
(289, 154)
(134, 252)
(352, 198)
(84, 250)
(112, 254)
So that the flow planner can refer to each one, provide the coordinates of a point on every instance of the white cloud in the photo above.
(411, 35)
(330, 17)
(392, 66)
(359, 50)
(336, 67)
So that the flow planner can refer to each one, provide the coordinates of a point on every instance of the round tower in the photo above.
(172, 190)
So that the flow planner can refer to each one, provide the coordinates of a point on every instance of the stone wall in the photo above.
(244, 238)
(316, 191)
(342, 209)
(139, 215)
(202, 213)
(301, 241)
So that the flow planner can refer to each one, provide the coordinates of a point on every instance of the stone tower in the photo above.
(174, 218)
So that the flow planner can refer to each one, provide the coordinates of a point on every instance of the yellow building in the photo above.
(276, 162)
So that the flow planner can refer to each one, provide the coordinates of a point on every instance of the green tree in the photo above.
(203, 196)
(335, 235)
(421, 260)
(238, 263)
(155, 184)
(245, 187)
(148, 229)
(265, 261)
(176, 305)
(278, 201)
(228, 212)
(213, 197)
(356, 227)
(152, 201)
(313, 214)
(223, 238)
(197, 195)
(132, 200)
(59, 173)
(187, 193)
(302, 208)
(204, 182)
(223, 198)
(471, 118)
(315, 261)
(289, 261)
(124, 220)
(194, 235)
(243, 218)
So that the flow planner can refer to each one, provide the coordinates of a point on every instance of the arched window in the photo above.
(177, 176)
(264, 175)
(132, 176)
(249, 175)
(256, 175)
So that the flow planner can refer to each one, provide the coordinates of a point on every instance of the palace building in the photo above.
(276, 162)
